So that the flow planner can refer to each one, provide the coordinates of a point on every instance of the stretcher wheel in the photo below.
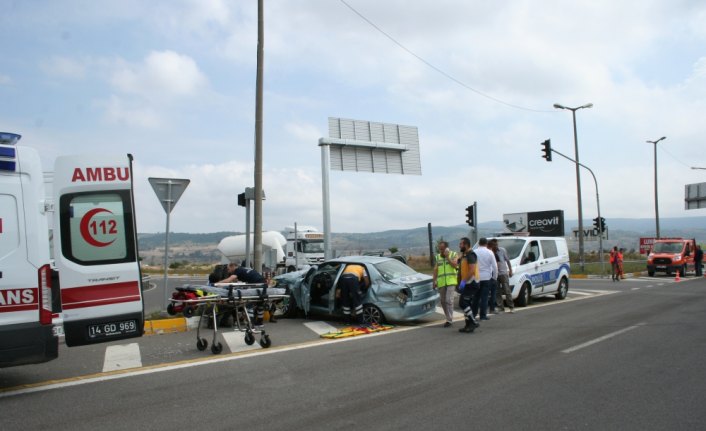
(170, 309)
(201, 344)
(217, 348)
(249, 338)
(188, 311)
(265, 341)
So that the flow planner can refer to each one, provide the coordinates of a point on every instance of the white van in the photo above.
(95, 289)
(540, 266)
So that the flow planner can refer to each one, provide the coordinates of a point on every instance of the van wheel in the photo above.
(524, 297)
(563, 288)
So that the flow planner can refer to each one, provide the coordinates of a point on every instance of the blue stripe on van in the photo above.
(7, 166)
(7, 152)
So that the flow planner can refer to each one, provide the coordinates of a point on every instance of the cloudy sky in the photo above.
(173, 83)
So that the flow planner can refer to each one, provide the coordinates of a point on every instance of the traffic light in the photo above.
(469, 216)
(597, 224)
(241, 199)
(602, 225)
(547, 150)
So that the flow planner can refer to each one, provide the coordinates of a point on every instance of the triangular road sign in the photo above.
(168, 190)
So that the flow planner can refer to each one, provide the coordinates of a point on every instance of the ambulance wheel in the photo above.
(563, 288)
(170, 309)
(265, 341)
(188, 311)
(249, 338)
(217, 348)
(201, 344)
(372, 314)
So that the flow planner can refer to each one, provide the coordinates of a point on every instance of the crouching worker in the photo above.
(468, 283)
(353, 281)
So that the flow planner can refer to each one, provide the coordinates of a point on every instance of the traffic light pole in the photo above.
(598, 205)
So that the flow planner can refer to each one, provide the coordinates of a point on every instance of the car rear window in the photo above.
(391, 269)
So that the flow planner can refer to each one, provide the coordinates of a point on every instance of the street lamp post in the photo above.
(656, 201)
(578, 175)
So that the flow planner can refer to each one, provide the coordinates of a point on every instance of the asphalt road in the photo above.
(599, 360)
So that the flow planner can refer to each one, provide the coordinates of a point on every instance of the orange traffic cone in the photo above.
(677, 277)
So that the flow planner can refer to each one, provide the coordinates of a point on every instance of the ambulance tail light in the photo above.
(44, 283)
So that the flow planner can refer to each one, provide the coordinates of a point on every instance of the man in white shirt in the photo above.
(488, 270)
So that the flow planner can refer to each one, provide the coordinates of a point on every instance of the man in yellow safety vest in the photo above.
(445, 279)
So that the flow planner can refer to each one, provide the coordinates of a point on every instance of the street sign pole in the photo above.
(166, 244)
(168, 191)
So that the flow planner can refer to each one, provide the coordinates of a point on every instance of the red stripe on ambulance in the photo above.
(103, 294)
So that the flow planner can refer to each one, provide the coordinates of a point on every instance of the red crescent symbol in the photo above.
(84, 228)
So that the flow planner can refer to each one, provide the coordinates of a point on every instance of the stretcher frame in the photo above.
(228, 299)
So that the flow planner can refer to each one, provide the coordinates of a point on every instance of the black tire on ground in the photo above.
(265, 341)
(524, 296)
(563, 288)
(249, 338)
(651, 273)
(683, 270)
(170, 309)
(201, 344)
(372, 314)
(216, 348)
(188, 311)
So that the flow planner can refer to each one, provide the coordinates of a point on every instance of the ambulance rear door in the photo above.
(95, 249)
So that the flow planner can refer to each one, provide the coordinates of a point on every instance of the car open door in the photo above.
(95, 249)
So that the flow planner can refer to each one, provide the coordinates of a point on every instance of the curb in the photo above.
(165, 326)
(598, 277)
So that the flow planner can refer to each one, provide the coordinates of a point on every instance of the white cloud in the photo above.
(5, 80)
(118, 111)
(161, 75)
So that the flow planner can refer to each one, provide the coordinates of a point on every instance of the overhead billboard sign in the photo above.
(368, 146)
(539, 223)
(695, 196)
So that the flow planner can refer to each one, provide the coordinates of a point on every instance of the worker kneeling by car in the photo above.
(353, 281)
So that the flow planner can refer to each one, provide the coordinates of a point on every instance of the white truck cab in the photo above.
(96, 288)
(540, 266)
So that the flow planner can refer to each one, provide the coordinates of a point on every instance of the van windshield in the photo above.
(512, 245)
(668, 247)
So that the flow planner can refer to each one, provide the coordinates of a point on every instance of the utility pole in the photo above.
(257, 249)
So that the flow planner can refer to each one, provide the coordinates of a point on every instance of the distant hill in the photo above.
(201, 247)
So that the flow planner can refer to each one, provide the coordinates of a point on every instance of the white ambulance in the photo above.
(91, 279)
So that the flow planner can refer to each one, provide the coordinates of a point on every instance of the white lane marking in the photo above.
(320, 327)
(591, 290)
(603, 338)
(236, 341)
(579, 292)
(122, 357)
(635, 288)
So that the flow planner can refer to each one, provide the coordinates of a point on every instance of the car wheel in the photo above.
(563, 288)
(289, 307)
(651, 273)
(683, 270)
(524, 296)
(372, 314)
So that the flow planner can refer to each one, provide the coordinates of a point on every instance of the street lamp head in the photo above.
(655, 142)
(558, 106)
(588, 105)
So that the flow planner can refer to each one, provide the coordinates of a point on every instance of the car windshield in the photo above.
(513, 246)
(668, 247)
(391, 269)
(313, 247)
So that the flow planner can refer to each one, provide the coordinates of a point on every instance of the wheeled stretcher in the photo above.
(224, 299)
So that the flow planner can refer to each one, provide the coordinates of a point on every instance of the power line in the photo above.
(437, 69)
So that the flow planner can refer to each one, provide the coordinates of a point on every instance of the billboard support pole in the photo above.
(325, 162)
